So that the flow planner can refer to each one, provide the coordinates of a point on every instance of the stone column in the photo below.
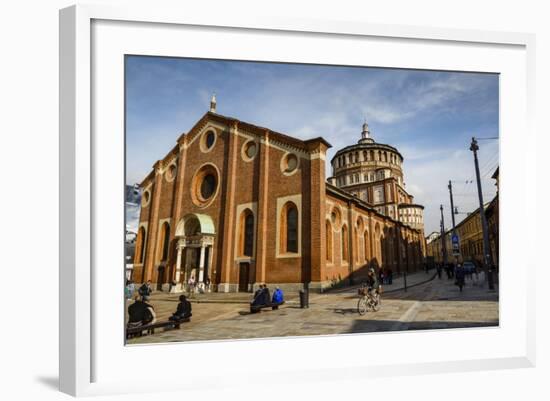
(211, 274)
(201, 265)
(180, 247)
(178, 198)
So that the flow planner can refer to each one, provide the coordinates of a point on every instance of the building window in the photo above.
(289, 228)
(208, 140)
(378, 195)
(289, 164)
(345, 245)
(208, 186)
(249, 150)
(170, 173)
(145, 198)
(366, 244)
(165, 241)
(140, 247)
(246, 233)
(328, 235)
(205, 185)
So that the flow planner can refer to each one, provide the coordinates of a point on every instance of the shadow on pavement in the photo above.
(343, 311)
(370, 326)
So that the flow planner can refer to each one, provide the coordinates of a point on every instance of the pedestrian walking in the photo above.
(191, 286)
(459, 276)
(439, 270)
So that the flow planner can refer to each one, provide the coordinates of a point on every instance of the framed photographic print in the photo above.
(293, 189)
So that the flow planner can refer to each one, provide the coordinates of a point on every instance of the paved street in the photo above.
(436, 304)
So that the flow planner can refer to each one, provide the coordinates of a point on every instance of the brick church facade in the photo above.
(235, 205)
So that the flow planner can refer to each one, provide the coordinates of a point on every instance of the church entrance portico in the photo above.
(195, 250)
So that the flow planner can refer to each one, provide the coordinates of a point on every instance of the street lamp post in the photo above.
(453, 219)
(486, 251)
(443, 241)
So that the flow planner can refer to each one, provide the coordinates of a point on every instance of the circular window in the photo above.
(208, 140)
(205, 185)
(208, 186)
(249, 150)
(146, 197)
(171, 172)
(289, 164)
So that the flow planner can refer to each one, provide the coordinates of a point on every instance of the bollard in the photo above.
(405, 280)
(304, 302)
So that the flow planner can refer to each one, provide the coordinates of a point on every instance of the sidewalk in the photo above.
(398, 284)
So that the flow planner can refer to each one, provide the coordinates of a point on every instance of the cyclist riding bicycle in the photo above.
(369, 294)
(372, 281)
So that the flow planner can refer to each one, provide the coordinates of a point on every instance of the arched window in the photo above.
(289, 228)
(344, 238)
(328, 235)
(140, 247)
(366, 244)
(356, 245)
(246, 233)
(165, 241)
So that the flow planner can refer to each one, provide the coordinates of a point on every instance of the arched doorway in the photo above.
(195, 250)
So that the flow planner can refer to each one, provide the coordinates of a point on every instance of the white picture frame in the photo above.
(90, 361)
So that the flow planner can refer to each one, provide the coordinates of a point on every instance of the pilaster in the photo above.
(229, 207)
(263, 185)
(153, 222)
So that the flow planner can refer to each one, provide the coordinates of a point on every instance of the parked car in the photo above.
(469, 267)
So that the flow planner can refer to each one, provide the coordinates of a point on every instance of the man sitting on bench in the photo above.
(261, 299)
(183, 310)
(141, 313)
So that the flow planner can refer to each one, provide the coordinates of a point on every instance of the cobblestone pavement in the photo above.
(437, 304)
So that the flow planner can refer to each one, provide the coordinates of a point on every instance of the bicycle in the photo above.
(368, 300)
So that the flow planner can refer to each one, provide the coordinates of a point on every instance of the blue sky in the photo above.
(429, 116)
